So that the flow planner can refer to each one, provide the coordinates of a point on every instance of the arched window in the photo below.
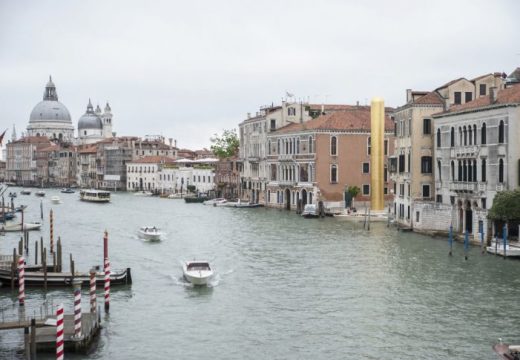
(460, 136)
(501, 132)
(459, 177)
(269, 148)
(452, 137)
(297, 146)
(438, 138)
(278, 147)
(474, 134)
(439, 169)
(452, 171)
(310, 145)
(470, 135)
(333, 174)
(501, 171)
(464, 171)
(483, 134)
(465, 136)
(333, 145)
(474, 170)
(470, 171)
(483, 170)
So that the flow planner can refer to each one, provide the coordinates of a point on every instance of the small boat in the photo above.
(67, 191)
(215, 202)
(12, 194)
(99, 196)
(151, 233)
(506, 351)
(240, 204)
(20, 208)
(498, 249)
(18, 227)
(310, 211)
(40, 193)
(197, 272)
(195, 199)
(6, 216)
(56, 200)
(25, 192)
(175, 196)
(143, 193)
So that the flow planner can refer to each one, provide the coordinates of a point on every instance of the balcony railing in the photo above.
(463, 186)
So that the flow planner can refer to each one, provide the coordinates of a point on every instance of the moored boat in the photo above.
(99, 196)
(40, 193)
(27, 226)
(215, 201)
(310, 211)
(25, 192)
(67, 191)
(143, 193)
(506, 351)
(151, 233)
(197, 272)
(56, 200)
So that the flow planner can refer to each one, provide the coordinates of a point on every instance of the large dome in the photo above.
(50, 111)
(90, 120)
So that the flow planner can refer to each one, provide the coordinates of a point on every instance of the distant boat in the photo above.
(310, 211)
(151, 233)
(56, 200)
(215, 202)
(6, 216)
(25, 192)
(40, 193)
(506, 351)
(143, 193)
(18, 227)
(197, 272)
(99, 196)
(175, 196)
(12, 194)
(67, 191)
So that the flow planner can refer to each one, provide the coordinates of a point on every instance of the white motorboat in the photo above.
(18, 227)
(143, 193)
(151, 233)
(215, 202)
(310, 211)
(175, 196)
(98, 196)
(197, 272)
(498, 249)
(56, 200)
(40, 193)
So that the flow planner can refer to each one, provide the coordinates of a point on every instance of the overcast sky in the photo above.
(189, 69)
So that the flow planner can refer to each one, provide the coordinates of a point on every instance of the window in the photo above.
(369, 145)
(426, 191)
(483, 134)
(333, 145)
(366, 168)
(366, 189)
(438, 198)
(452, 137)
(273, 124)
(291, 111)
(482, 89)
(386, 146)
(409, 161)
(427, 126)
(401, 190)
(483, 203)
(457, 97)
(468, 96)
(438, 138)
(439, 169)
(501, 132)
(393, 164)
(474, 134)
(501, 171)
(401, 163)
(417, 216)
(426, 164)
(333, 174)
(310, 145)
(452, 171)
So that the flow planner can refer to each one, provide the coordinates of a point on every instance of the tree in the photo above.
(506, 206)
(225, 145)
(353, 191)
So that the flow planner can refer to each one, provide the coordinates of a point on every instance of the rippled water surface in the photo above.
(286, 287)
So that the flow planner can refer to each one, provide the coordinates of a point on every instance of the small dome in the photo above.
(90, 120)
(49, 111)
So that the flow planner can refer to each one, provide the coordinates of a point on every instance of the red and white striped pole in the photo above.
(51, 224)
(21, 281)
(59, 333)
(77, 309)
(93, 290)
(107, 284)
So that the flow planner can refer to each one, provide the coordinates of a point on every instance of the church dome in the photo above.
(50, 109)
(90, 120)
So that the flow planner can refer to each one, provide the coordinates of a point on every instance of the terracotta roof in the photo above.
(510, 95)
(88, 150)
(33, 140)
(51, 147)
(450, 83)
(432, 97)
(153, 160)
(352, 120)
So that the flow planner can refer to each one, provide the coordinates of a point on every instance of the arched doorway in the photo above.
(460, 227)
(287, 199)
(469, 217)
(310, 198)
(304, 197)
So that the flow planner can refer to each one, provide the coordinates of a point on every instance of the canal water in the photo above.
(286, 287)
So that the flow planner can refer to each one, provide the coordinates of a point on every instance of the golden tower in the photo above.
(377, 138)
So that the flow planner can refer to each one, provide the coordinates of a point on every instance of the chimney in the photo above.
(408, 95)
(249, 115)
(493, 91)
(170, 140)
(175, 143)
(357, 103)
(446, 103)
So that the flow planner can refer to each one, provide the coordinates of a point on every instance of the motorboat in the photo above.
(215, 202)
(506, 351)
(25, 192)
(6, 216)
(498, 249)
(40, 193)
(12, 194)
(56, 200)
(67, 191)
(310, 211)
(143, 193)
(27, 226)
(99, 196)
(240, 204)
(175, 196)
(151, 233)
(197, 272)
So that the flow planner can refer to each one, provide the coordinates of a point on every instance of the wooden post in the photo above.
(51, 227)
(41, 248)
(33, 339)
(71, 267)
(45, 268)
(20, 246)
(13, 267)
(26, 342)
(58, 251)
(54, 262)
(36, 252)
(107, 285)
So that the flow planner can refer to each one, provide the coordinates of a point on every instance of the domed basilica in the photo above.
(52, 119)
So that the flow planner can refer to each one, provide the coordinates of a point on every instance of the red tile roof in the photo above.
(353, 120)
(153, 160)
(450, 83)
(432, 98)
(510, 95)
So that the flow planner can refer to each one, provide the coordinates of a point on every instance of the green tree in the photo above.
(225, 145)
(353, 191)
(506, 206)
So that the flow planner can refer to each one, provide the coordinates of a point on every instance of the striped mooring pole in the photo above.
(107, 285)
(450, 239)
(77, 309)
(21, 281)
(93, 290)
(51, 225)
(59, 333)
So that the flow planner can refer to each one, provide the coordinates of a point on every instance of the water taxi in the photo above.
(197, 272)
(150, 233)
(99, 196)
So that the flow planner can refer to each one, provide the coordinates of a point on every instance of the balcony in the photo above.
(464, 152)
(463, 187)
(285, 157)
(287, 182)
